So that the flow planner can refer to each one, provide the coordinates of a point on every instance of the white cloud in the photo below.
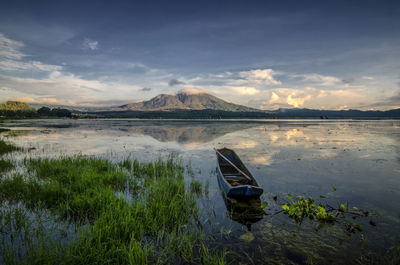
(11, 58)
(310, 97)
(66, 88)
(243, 90)
(291, 97)
(10, 49)
(368, 78)
(12, 65)
(260, 76)
(89, 44)
(323, 80)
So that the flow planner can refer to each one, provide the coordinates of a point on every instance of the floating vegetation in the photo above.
(301, 207)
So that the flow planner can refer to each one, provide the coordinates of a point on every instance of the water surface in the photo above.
(360, 158)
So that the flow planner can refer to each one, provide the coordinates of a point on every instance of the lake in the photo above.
(349, 160)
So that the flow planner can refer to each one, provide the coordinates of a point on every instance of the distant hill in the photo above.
(183, 101)
(335, 114)
(221, 114)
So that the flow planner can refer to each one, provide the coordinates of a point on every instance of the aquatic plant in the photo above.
(300, 207)
(195, 187)
(303, 207)
(155, 222)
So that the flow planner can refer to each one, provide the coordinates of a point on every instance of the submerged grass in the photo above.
(155, 225)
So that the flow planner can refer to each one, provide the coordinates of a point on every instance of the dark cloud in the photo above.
(175, 82)
(145, 89)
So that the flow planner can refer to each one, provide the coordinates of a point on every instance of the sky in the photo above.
(262, 54)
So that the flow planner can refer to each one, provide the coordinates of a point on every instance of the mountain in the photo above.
(335, 114)
(184, 100)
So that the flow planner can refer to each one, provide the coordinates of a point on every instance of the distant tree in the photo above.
(16, 109)
(16, 106)
(60, 112)
(44, 111)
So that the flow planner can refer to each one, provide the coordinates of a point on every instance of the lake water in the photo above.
(361, 159)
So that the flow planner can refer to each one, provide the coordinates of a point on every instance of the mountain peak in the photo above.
(186, 99)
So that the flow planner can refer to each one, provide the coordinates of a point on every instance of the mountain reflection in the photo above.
(187, 133)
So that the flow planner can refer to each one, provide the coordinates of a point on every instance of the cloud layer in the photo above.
(34, 81)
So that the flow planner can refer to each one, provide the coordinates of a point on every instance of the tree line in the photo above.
(16, 109)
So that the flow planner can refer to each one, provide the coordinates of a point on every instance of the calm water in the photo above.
(360, 158)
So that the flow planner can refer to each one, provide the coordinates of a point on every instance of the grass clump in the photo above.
(5, 165)
(153, 224)
(6, 147)
(196, 187)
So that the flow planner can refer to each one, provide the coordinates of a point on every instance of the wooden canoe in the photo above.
(234, 178)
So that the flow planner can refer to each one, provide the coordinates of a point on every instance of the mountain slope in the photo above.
(183, 101)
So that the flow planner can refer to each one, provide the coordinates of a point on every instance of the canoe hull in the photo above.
(242, 191)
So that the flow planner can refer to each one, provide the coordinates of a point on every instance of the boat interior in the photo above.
(231, 174)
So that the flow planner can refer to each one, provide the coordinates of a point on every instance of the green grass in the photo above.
(156, 224)
(7, 148)
(196, 187)
(5, 165)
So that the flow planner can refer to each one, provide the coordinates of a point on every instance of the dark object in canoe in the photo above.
(234, 178)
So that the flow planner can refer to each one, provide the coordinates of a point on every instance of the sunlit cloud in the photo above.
(242, 90)
(312, 98)
(260, 76)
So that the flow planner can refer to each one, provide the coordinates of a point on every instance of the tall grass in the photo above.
(157, 225)
(6, 165)
(6, 147)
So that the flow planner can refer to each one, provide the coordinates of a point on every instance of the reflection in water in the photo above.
(182, 132)
(245, 212)
(188, 133)
(360, 158)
